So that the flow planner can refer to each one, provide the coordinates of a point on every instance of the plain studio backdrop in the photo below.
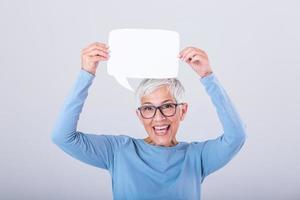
(253, 47)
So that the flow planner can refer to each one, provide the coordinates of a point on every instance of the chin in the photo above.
(163, 140)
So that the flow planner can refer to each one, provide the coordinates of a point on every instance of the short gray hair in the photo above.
(147, 86)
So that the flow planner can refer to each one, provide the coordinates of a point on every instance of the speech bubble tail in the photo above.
(124, 82)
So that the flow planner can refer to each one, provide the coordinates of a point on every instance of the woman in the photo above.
(157, 167)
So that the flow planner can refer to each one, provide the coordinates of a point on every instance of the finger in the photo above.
(195, 58)
(199, 57)
(97, 52)
(201, 51)
(202, 55)
(186, 54)
(98, 58)
(195, 55)
(183, 51)
(95, 48)
(95, 45)
(187, 49)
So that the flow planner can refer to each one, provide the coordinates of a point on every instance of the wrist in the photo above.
(206, 74)
(89, 71)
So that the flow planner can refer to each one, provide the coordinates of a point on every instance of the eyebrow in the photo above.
(161, 102)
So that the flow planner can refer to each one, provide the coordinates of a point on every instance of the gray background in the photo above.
(253, 48)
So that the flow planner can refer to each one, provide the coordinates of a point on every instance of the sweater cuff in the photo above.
(208, 79)
(83, 74)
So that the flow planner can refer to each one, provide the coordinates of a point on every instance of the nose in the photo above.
(158, 115)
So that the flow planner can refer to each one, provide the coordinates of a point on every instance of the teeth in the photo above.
(161, 130)
(160, 127)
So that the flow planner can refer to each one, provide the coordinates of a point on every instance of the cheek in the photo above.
(147, 125)
(175, 125)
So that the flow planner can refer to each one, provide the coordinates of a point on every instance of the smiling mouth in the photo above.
(161, 130)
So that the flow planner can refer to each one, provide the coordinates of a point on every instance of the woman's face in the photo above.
(155, 126)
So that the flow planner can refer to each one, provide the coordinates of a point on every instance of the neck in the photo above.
(149, 141)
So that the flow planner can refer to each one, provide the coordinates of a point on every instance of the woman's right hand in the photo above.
(92, 55)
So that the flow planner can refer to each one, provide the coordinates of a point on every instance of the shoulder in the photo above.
(109, 140)
(120, 140)
(197, 145)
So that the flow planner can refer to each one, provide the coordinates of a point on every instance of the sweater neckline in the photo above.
(161, 147)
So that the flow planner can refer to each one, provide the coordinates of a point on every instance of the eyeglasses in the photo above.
(167, 110)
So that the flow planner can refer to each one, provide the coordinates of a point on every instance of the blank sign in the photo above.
(143, 53)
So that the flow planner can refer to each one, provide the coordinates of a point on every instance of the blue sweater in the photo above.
(144, 171)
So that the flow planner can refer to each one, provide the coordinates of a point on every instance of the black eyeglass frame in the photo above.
(160, 109)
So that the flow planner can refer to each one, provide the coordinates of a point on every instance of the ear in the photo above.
(184, 109)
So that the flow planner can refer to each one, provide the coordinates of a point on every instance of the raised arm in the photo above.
(217, 152)
(96, 150)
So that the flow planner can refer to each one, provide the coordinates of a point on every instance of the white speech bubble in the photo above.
(142, 53)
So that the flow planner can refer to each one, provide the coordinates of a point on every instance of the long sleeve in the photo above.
(218, 152)
(96, 150)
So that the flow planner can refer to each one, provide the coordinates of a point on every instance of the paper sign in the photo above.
(142, 53)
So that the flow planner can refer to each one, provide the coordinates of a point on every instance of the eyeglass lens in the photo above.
(166, 109)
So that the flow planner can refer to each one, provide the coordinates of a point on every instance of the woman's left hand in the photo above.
(197, 59)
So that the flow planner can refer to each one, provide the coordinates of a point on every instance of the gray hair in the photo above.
(147, 86)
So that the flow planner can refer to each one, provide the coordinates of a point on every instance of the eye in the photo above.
(148, 108)
(168, 105)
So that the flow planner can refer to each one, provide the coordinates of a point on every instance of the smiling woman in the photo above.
(161, 109)
(157, 167)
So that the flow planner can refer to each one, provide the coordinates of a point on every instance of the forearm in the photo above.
(66, 125)
(234, 130)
